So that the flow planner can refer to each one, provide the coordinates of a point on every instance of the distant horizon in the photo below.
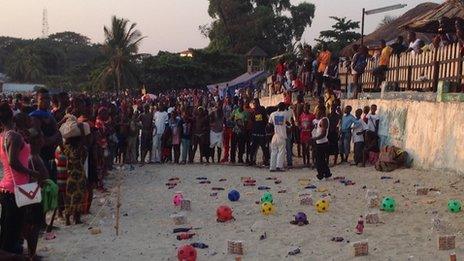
(159, 20)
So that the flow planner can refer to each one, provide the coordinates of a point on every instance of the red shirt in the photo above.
(299, 85)
(306, 126)
(280, 69)
(288, 98)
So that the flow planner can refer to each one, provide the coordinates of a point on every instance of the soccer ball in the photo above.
(267, 208)
(233, 195)
(187, 253)
(177, 198)
(322, 205)
(388, 204)
(267, 197)
(454, 206)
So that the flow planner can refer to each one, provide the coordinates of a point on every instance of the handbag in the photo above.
(70, 128)
(27, 194)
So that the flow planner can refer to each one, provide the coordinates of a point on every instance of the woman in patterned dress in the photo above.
(75, 151)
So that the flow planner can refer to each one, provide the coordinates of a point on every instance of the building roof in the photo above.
(257, 52)
(392, 30)
(428, 22)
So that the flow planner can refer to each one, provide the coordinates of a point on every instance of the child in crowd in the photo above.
(358, 127)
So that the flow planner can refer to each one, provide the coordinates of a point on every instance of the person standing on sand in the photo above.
(306, 126)
(227, 108)
(239, 116)
(160, 119)
(366, 111)
(259, 120)
(371, 139)
(358, 127)
(345, 133)
(216, 132)
(279, 119)
(186, 124)
(146, 142)
(321, 144)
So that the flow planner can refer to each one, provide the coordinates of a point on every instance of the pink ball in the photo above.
(177, 199)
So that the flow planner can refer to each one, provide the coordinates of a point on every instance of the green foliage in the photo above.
(62, 60)
(170, 71)
(121, 45)
(388, 19)
(240, 25)
(342, 34)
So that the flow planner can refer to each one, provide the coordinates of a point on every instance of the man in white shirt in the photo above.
(159, 119)
(279, 119)
(373, 119)
(358, 127)
(415, 44)
(371, 141)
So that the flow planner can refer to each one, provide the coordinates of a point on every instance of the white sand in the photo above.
(146, 227)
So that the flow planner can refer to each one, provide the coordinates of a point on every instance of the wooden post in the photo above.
(118, 208)
(459, 72)
(436, 68)
(408, 86)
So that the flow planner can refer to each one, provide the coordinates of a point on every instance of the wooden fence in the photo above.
(415, 72)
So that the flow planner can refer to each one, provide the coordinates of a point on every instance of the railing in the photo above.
(415, 72)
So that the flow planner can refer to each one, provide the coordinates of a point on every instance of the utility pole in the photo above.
(377, 11)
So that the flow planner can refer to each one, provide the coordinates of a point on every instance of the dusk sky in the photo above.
(170, 25)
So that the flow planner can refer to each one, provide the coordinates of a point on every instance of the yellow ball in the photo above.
(267, 208)
(322, 205)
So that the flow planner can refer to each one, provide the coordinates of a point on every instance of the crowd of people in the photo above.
(449, 32)
(75, 140)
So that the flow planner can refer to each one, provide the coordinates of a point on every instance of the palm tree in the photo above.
(25, 66)
(121, 45)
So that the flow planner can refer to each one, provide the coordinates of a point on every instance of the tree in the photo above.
(121, 45)
(25, 66)
(342, 34)
(388, 19)
(70, 38)
(170, 71)
(239, 25)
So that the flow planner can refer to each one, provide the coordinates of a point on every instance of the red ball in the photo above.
(187, 253)
(224, 213)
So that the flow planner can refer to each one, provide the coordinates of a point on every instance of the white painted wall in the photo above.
(433, 132)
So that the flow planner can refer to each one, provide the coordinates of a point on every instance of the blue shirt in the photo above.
(347, 121)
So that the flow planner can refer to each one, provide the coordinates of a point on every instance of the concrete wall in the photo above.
(271, 100)
(432, 132)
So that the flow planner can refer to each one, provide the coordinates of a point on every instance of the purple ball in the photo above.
(300, 217)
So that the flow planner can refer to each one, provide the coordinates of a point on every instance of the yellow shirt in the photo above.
(385, 55)
(324, 60)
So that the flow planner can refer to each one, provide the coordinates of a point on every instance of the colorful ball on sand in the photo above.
(267, 208)
(177, 198)
(301, 217)
(322, 205)
(454, 206)
(233, 195)
(388, 204)
(267, 197)
(187, 253)
(224, 213)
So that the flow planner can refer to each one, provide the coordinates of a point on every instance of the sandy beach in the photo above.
(146, 226)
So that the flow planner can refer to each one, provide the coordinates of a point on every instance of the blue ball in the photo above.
(234, 195)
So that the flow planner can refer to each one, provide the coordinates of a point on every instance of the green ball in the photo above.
(388, 204)
(454, 206)
(267, 197)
